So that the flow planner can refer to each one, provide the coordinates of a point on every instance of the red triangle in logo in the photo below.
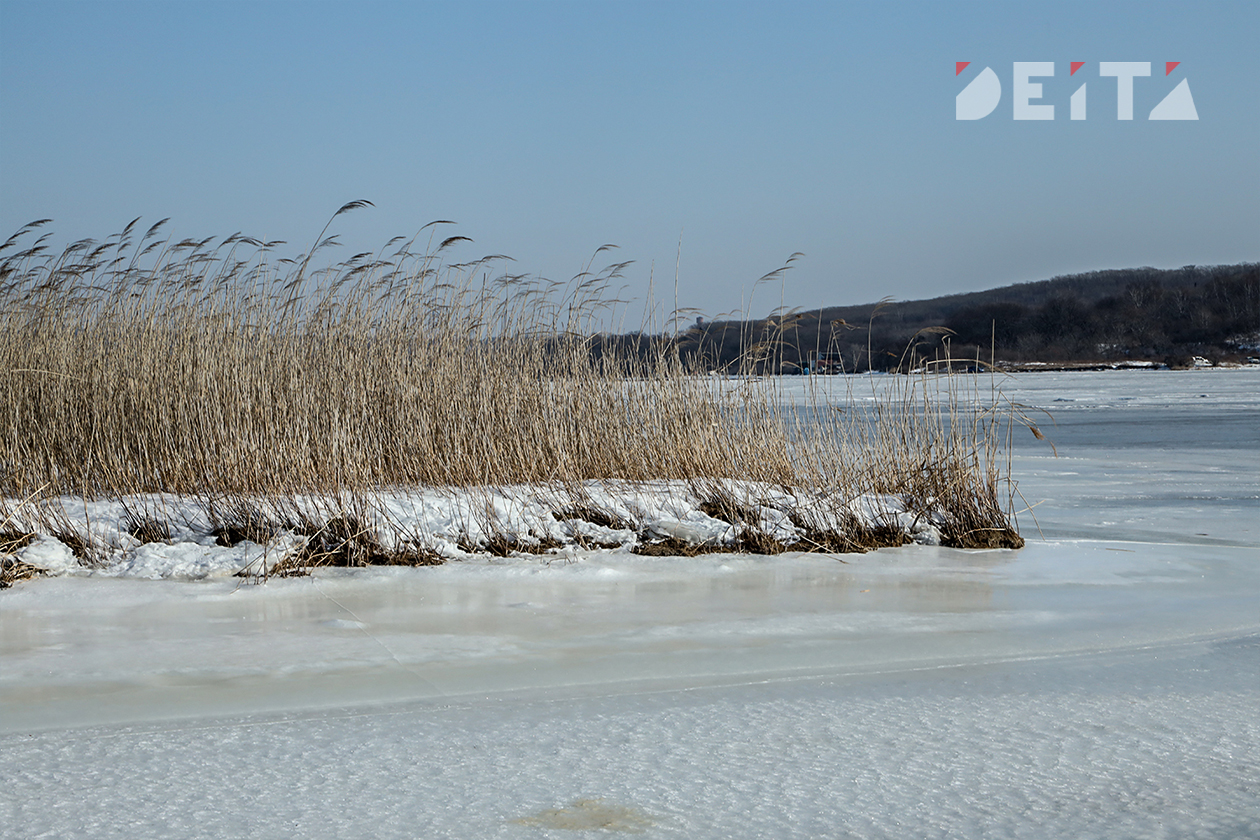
(960, 66)
(1076, 65)
(1170, 66)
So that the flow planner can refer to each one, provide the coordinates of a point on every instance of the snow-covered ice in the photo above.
(1104, 681)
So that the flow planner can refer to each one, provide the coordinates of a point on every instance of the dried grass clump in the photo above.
(210, 368)
(13, 570)
(11, 541)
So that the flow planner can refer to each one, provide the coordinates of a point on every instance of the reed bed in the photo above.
(141, 367)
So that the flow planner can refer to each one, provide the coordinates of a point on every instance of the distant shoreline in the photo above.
(1070, 367)
(1062, 367)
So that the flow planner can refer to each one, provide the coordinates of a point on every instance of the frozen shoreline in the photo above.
(554, 523)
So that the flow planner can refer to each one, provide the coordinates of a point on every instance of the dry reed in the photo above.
(210, 368)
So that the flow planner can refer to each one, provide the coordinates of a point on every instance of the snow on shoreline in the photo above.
(451, 521)
(455, 523)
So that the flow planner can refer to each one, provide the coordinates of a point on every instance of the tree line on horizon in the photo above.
(1166, 316)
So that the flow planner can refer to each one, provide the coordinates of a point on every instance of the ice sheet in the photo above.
(1100, 682)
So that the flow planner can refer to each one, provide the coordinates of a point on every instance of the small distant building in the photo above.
(825, 363)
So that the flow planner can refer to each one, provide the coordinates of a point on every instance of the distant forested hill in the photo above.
(1164, 316)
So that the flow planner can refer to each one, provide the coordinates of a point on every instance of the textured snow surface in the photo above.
(1098, 747)
(1102, 682)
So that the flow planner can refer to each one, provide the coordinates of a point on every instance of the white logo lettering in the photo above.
(1124, 71)
(982, 94)
(1178, 105)
(1078, 103)
(1025, 90)
(978, 99)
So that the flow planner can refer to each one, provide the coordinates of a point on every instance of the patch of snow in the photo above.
(51, 555)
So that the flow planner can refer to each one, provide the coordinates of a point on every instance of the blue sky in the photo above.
(747, 131)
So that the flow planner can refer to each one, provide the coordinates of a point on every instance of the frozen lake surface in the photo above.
(1102, 682)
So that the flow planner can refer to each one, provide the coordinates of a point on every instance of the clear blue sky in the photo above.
(546, 129)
